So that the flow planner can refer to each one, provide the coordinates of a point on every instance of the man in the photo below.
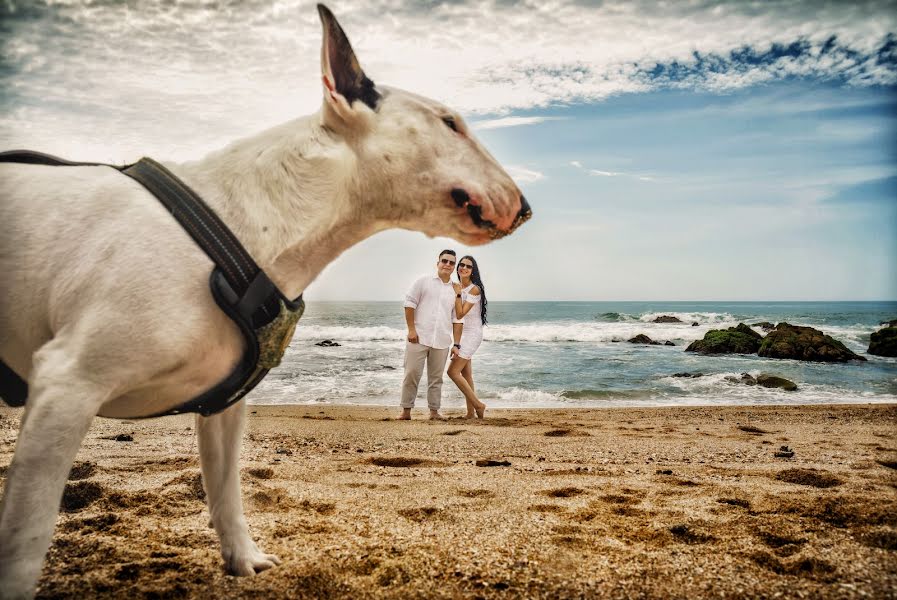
(429, 312)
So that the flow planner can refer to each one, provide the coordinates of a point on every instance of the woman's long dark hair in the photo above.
(475, 279)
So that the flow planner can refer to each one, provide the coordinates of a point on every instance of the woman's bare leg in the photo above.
(454, 373)
(467, 373)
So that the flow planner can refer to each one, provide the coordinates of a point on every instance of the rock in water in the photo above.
(642, 339)
(804, 343)
(746, 378)
(884, 341)
(774, 381)
(734, 340)
(764, 325)
(327, 344)
(667, 319)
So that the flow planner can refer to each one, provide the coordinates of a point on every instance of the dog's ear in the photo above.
(344, 81)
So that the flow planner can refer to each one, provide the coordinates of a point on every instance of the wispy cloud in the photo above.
(524, 175)
(602, 173)
(512, 122)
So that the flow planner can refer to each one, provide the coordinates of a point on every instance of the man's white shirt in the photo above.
(434, 310)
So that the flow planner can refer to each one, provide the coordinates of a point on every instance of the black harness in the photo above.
(244, 292)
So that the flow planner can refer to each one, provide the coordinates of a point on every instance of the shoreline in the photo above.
(598, 502)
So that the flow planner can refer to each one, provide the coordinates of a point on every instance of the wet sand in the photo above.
(604, 503)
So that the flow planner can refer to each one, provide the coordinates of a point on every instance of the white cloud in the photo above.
(604, 173)
(523, 175)
(512, 122)
(576, 164)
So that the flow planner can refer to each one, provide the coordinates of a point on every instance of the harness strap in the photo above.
(240, 287)
(213, 236)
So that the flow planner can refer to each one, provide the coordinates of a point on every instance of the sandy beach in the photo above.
(603, 503)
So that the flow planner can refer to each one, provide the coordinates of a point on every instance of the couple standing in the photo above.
(444, 318)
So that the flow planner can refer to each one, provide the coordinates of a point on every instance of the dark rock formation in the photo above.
(746, 378)
(764, 325)
(687, 374)
(642, 339)
(804, 343)
(668, 343)
(734, 340)
(774, 381)
(891, 323)
(884, 341)
(327, 344)
(694, 323)
(667, 319)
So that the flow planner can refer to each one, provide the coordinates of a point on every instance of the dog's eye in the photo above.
(450, 121)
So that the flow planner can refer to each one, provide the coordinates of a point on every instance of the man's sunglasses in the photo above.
(446, 261)
(465, 265)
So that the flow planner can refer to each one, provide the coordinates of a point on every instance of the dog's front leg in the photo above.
(220, 438)
(61, 404)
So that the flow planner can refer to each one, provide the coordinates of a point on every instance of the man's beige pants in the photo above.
(415, 357)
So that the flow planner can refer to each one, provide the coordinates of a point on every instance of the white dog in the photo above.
(105, 307)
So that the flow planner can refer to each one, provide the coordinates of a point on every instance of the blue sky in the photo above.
(700, 151)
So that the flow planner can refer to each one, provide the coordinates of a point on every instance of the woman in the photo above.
(470, 309)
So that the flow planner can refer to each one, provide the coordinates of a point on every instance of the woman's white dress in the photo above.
(472, 334)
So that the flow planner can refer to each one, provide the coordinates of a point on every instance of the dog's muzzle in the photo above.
(462, 199)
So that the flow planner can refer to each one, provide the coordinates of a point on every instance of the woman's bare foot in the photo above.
(481, 411)
(469, 415)
(405, 416)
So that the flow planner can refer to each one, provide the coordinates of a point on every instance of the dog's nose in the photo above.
(525, 211)
(460, 196)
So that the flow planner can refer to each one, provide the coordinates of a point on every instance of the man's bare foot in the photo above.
(435, 416)
(469, 415)
(405, 416)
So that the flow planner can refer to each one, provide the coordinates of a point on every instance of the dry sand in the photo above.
(605, 503)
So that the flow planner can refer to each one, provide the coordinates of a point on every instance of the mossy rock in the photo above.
(734, 340)
(804, 343)
(884, 342)
(774, 381)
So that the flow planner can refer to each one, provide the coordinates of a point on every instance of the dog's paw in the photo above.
(251, 562)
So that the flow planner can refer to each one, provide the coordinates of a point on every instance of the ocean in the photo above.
(574, 354)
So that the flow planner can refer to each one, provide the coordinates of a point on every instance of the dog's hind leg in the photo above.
(220, 438)
(62, 402)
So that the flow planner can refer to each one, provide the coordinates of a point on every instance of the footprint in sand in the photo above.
(547, 508)
(274, 499)
(777, 541)
(810, 477)
(419, 515)
(735, 502)
(476, 493)
(106, 523)
(80, 495)
(261, 473)
(686, 534)
(401, 462)
(191, 485)
(558, 433)
(564, 492)
(82, 470)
